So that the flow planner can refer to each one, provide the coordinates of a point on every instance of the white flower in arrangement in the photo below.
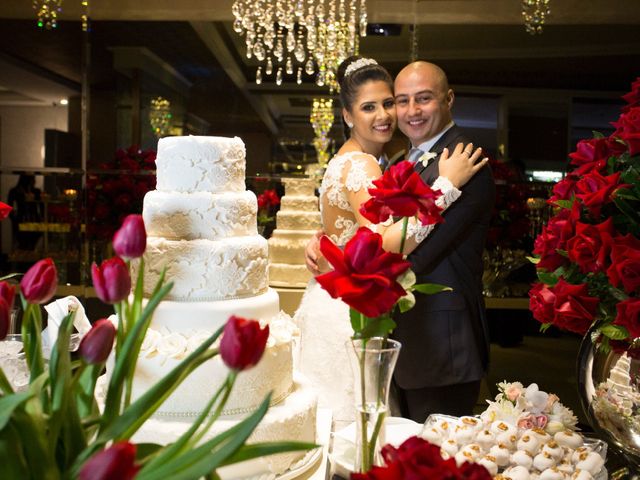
(425, 158)
(510, 390)
(536, 399)
(562, 417)
(501, 410)
(196, 339)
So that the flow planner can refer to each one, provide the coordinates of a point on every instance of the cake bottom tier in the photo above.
(286, 275)
(294, 419)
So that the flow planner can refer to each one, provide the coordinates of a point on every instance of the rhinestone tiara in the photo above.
(358, 64)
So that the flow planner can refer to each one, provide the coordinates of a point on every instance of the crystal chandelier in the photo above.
(160, 116)
(47, 12)
(292, 37)
(322, 120)
(534, 13)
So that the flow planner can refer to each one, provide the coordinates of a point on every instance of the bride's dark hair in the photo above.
(349, 84)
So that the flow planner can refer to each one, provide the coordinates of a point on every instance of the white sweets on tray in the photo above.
(525, 434)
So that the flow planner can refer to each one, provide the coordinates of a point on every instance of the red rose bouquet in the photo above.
(588, 255)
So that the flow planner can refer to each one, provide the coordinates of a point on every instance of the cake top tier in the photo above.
(299, 186)
(200, 164)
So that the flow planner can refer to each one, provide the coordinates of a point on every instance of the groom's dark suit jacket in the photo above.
(445, 336)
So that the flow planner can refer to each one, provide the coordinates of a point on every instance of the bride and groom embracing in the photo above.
(445, 345)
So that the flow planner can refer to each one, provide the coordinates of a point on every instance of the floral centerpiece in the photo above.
(529, 408)
(373, 282)
(57, 429)
(588, 255)
(268, 203)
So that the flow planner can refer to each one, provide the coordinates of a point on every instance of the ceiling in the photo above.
(588, 49)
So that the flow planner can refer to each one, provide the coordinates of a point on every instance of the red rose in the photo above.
(129, 164)
(401, 192)
(554, 237)
(5, 210)
(595, 190)
(364, 275)
(130, 241)
(111, 280)
(590, 246)
(563, 190)
(625, 263)
(633, 97)
(391, 471)
(474, 471)
(623, 346)
(629, 316)
(96, 345)
(575, 310)
(114, 463)
(40, 282)
(628, 129)
(593, 154)
(243, 343)
(541, 301)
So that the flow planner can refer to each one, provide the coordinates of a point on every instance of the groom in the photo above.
(445, 343)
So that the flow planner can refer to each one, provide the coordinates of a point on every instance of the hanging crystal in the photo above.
(289, 66)
(309, 68)
(259, 76)
(299, 76)
(269, 69)
(279, 76)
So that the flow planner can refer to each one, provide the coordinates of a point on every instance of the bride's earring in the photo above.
(349, 124)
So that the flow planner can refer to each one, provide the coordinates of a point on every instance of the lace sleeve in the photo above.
(449, 195)
(357, 176)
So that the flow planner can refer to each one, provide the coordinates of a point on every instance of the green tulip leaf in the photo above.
(14, 464)
(9, 403)
(255, 450)
(146, 450)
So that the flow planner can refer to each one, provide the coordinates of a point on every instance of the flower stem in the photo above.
(363, 408)
(405, 222)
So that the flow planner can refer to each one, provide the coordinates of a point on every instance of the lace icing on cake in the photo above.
(296, 222)
(188, 216)
(200, 164)
(202, 270)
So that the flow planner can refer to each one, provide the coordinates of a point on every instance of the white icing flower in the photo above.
(173, 345)
(196, 339)
(150, 342)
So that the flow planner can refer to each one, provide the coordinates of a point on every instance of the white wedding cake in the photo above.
(201, 225)
(296, 222)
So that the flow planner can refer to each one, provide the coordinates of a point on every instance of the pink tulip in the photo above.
(114, 463)
(8, 293)
(243, 343)
(111, 280)
(40, 282)
(96, 345)
(130, 241)
(5, 318)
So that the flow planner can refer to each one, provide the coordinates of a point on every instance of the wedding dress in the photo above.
(324, 322)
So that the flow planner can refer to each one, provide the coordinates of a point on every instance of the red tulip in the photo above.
(5, 318)
(8, 293)
(40, 282)
(5, 210)
(97, 343)
(114, 463)
(130, 241)
(111, 280)
(243, 343)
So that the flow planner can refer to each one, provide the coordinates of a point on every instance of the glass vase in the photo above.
(609, 388)
(372, 361)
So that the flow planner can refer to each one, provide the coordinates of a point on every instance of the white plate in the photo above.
(397, 430)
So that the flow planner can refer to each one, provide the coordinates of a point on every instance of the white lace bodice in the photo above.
(348, 173)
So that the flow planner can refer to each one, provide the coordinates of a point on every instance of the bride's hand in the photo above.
(461, 165)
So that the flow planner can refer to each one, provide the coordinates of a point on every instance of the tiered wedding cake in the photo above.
(201, 225)
(296, 221)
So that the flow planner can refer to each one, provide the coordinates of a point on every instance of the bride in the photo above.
(366, 94)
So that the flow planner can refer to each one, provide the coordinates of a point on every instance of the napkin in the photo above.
(56, 312)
